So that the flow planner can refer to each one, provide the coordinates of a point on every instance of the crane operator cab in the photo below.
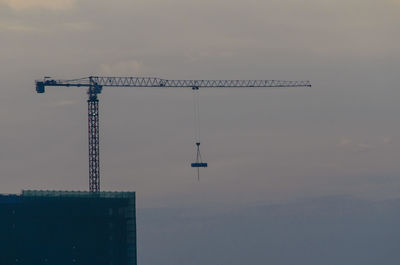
(40, 87)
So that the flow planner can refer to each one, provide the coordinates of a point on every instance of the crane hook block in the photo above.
(198, 162)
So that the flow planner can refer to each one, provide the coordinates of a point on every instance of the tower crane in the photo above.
(95, 84)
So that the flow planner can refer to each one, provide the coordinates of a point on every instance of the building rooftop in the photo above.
(78, 194)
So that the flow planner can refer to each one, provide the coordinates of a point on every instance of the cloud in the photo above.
(126, 68)
(46, 4)
(387, 140)
(18, 27)
(344, 141)
(355, 146)
(63, 103)
(21, 26)
(360, 147)
(78, 26)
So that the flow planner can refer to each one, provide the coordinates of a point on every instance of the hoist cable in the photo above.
(196, 108)
(198, 115)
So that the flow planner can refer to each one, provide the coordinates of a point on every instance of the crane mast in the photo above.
(94, 137)
(95, 84)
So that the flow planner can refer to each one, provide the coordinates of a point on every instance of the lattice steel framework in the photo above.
(96, 83)
(158, 82)
(94, 144)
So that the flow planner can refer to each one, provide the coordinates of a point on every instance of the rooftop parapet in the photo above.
(77, 194)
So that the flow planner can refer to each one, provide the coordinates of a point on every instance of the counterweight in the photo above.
(95, 84)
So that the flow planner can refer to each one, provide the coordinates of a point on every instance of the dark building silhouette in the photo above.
(60, 228)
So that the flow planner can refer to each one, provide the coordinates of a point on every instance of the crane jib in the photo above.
(158, 82)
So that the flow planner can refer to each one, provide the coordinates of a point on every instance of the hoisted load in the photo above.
(199, 162)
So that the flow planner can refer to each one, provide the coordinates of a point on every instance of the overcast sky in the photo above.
(264, 146)
(337, 138)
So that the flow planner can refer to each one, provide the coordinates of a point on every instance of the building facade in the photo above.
(65, 228)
